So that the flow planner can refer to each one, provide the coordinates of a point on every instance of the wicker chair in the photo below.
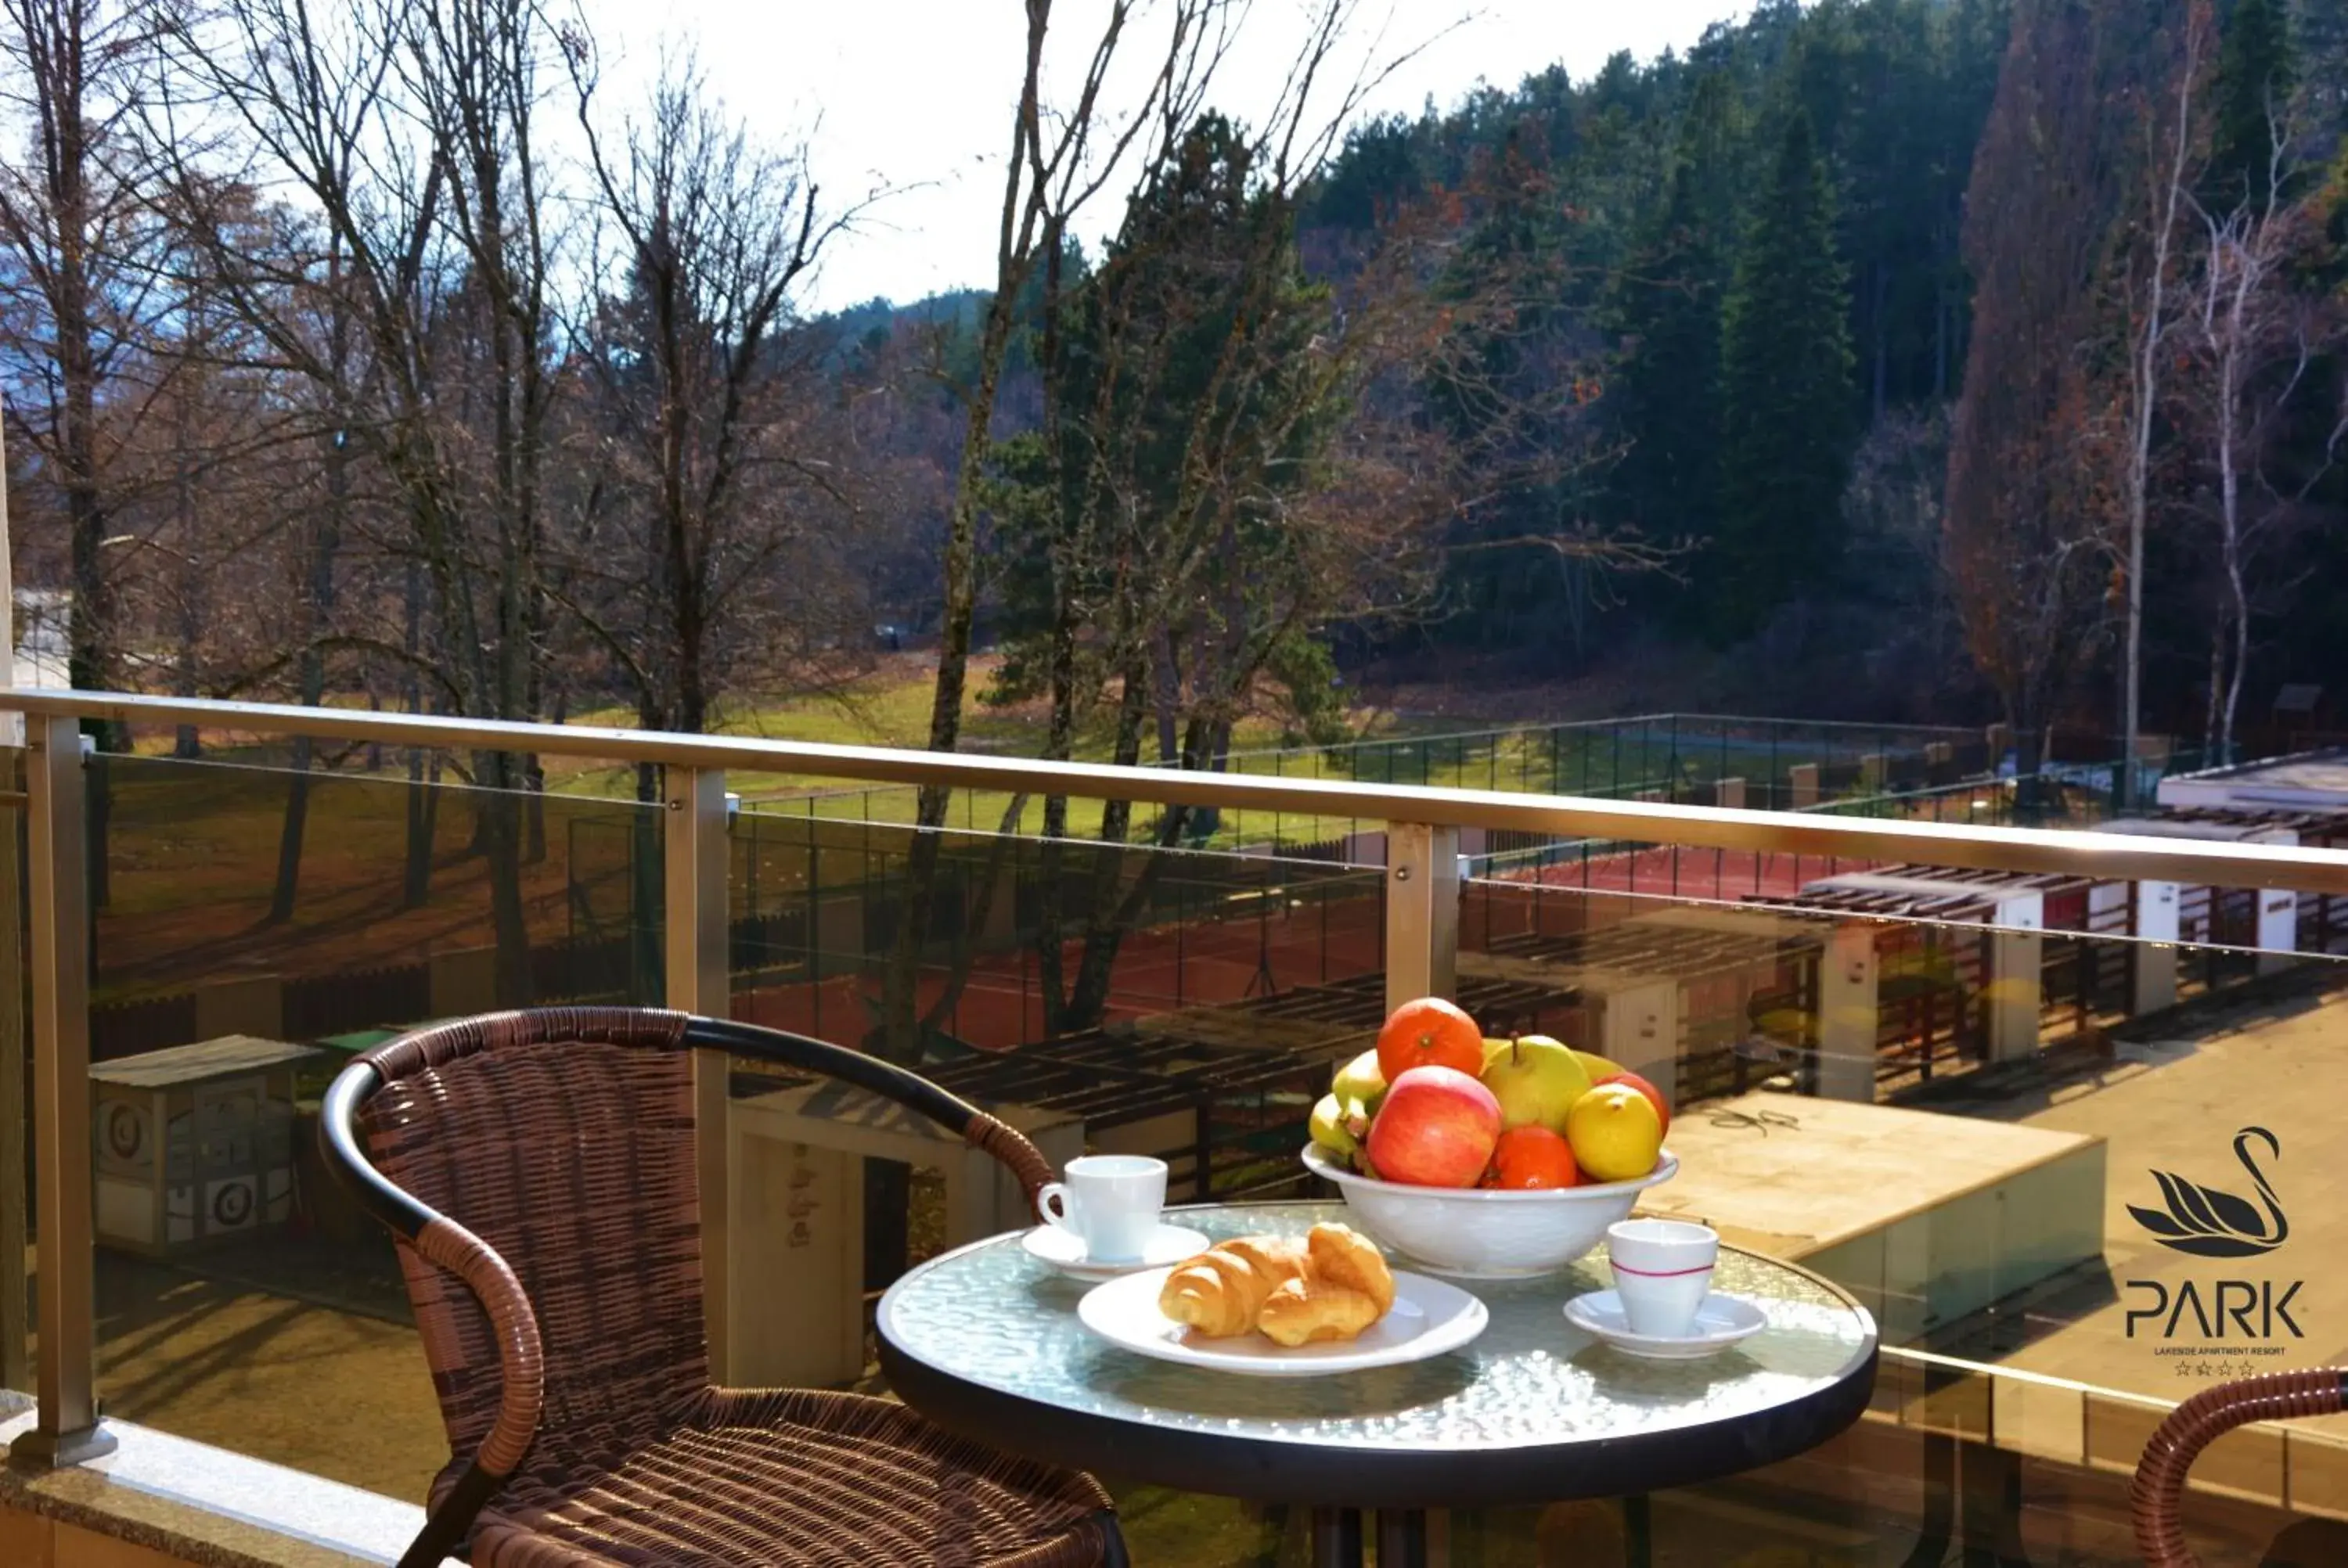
(544, 1162)
(2157, 1497)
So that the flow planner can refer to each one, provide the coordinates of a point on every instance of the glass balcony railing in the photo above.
(2056, 1108)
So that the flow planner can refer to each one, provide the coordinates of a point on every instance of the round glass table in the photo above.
(984, 1340)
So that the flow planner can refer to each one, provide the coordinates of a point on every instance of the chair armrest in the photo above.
(521, 1356)
(2156, 1496)
(1009, 1145)
(445, 1243)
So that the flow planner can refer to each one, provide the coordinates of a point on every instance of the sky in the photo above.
(914, 95)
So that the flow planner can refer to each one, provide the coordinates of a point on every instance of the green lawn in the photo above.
(890, 707)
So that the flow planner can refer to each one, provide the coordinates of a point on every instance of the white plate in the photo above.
(1429, 1317)
(1720, 1321)
(1065, 1251)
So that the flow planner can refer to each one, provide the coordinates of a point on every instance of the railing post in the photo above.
(1422, 911)
(693, 918)
(66, 1431)
(15, 1112)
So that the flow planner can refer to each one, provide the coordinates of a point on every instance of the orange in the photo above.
(1430, 1033)
(1532, 1157)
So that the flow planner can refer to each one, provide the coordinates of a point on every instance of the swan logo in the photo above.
(2211, 1222)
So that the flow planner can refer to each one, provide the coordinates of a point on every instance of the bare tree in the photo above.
(695, 375)
(77, 244)
(2172, 140)
(409, 133)
(2256, 341)
(699, 556)
(74, 224)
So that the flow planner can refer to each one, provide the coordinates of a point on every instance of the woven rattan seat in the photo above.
(538, 1169)
(869, 1482)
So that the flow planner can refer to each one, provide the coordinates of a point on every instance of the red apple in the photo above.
(1436, 1128)
(1654, 1095)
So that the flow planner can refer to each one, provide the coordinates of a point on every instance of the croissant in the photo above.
(1220, 1291)
(1343, 1257)
(1331, 1286)
(1304, 1310)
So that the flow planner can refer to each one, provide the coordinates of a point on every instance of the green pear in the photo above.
(1360, 1080)
(1536, 1079)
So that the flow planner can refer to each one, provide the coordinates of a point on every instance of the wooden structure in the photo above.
(2323, 917)
(2227, 933)
(795, 1207)
(1676, 992)
(1215, 1112)
(2300, 800)
(1926, 966)
(195, 1143)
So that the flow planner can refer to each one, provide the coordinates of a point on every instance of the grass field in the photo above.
(890, 707)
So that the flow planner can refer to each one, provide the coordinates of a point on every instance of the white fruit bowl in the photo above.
(1477, 1232)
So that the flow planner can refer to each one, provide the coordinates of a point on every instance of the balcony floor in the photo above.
(2172, 1099)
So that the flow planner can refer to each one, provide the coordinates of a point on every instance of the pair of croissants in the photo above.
(1329, 1285)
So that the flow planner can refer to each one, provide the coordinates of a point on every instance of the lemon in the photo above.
(1614, 1133)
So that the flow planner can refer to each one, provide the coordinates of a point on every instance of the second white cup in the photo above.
(1662, 1271)
(1109, 1202)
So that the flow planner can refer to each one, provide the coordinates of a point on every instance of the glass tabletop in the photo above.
(991, 1317)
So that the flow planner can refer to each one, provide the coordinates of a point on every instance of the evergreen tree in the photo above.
(1666, 398)
(2256, 76)
(1787, 409)
(2320, 36)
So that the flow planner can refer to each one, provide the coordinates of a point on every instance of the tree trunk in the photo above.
(316, 613)
(1059, 743)
(899, 1036)
(1167, 681)
(2209, 753)
(533, 775)
(289, 837)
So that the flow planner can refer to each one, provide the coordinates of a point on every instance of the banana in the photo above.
(1360, 1082)
(1332, 1126)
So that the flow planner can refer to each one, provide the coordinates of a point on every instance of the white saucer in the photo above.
(1720, 1321)
(1429, 1318)
(1065, 1251)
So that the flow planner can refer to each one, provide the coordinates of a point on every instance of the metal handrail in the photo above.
(2105, 857)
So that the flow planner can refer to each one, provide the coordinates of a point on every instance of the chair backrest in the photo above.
(563, 1139)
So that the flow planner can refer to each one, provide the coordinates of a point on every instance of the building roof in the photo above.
(230, 1056)
(2310, 780)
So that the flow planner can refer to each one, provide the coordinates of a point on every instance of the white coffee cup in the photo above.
(1662, 1271)
(1109, 1202)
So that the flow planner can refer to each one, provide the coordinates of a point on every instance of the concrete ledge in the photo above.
(182, 1502)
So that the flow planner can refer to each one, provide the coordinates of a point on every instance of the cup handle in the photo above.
(1044, 1211)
